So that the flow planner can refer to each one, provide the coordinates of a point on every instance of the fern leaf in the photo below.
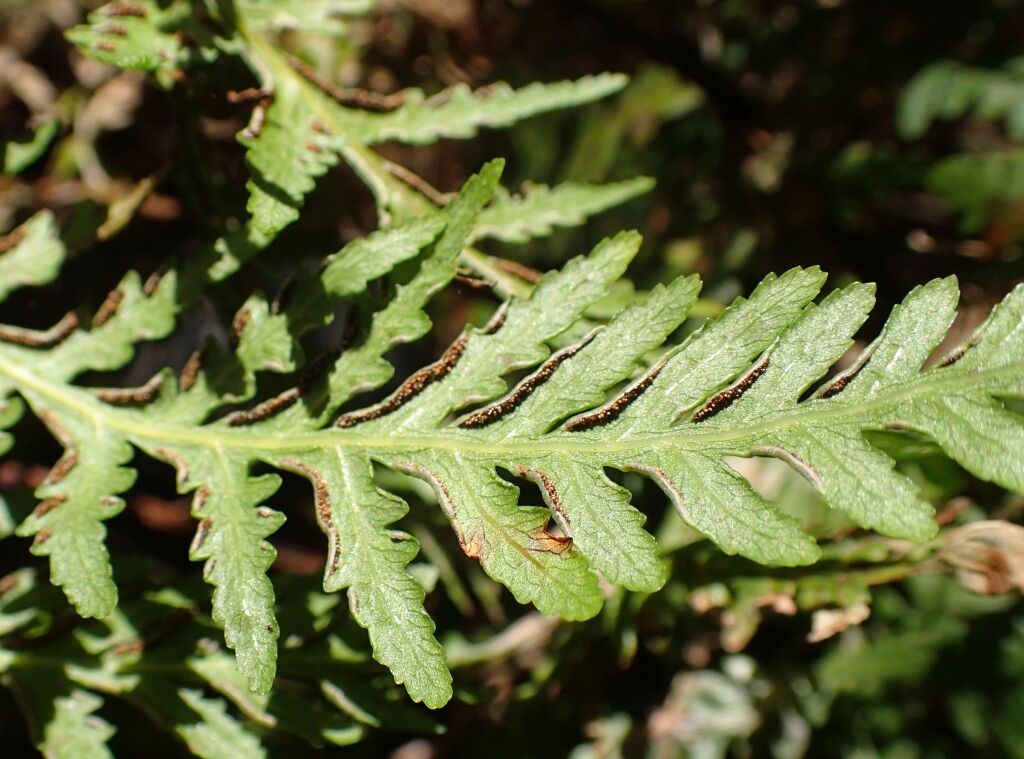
(458, 112)
(982, 186)
(80, 492)
(519, 219)
(30, 255)
(306, 130)
(75, 732)
(345, 274)
(288, 712)
(16, 155)
(218, 735)
(370, 561)
(154, 653)
(303, 126)
(151, 36)
(76, 498)
(402, 320)
(231, 539)
(949, 90)
(617, 398)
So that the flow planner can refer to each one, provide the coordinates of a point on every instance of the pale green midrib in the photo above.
(137, 427)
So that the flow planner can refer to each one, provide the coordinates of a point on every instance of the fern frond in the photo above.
(18, 153)
(950, 90)
(458, 112)
(30, 255)
(75, 730)
(217, 733)
(303, 125)
(982, 186)
(84, 484)
(306, 130)
(739, 386)
(151, 36)
(521, 218)
(155, 654)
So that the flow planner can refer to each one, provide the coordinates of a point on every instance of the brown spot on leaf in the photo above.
(611, 411)
(840, 382)
(306, 72)
(62, 468)
(133, 396)
(32, 338)
(202, 533)
(45, 507)
(519, 270)
(371, 101)
(987, 557)
(108, 308)
(473, 283)
(153, 281)
(472, 547)
(547, 542)
(550, 491)
(124, 649)
(10, 241)
(238, 325)
(247, 95)
(836, 387)
(180, 464)
(418, 183)
(263, 410)
(257, 119)
(324, 510)
(190, 372)
(123, 9)
(956, 355)
(409, 389)
(522, 391)
(727, 397)
(319, 128)
(497, 321)
(313, 371)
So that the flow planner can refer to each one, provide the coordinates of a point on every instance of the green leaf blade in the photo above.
(370, 561)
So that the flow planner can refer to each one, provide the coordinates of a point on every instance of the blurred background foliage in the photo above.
(882, 141)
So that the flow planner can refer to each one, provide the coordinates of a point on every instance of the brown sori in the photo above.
(612, 411)
(9, 242)
(132, 396)
(190, 372)
(238, 325)
(409, 389)
(31, 338)
(958, 354)
(282, 400)
(108, 308)
(730, 395)
(324, 512)
(523, 390)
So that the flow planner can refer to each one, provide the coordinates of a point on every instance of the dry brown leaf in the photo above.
(828, 622)
(986, 557)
